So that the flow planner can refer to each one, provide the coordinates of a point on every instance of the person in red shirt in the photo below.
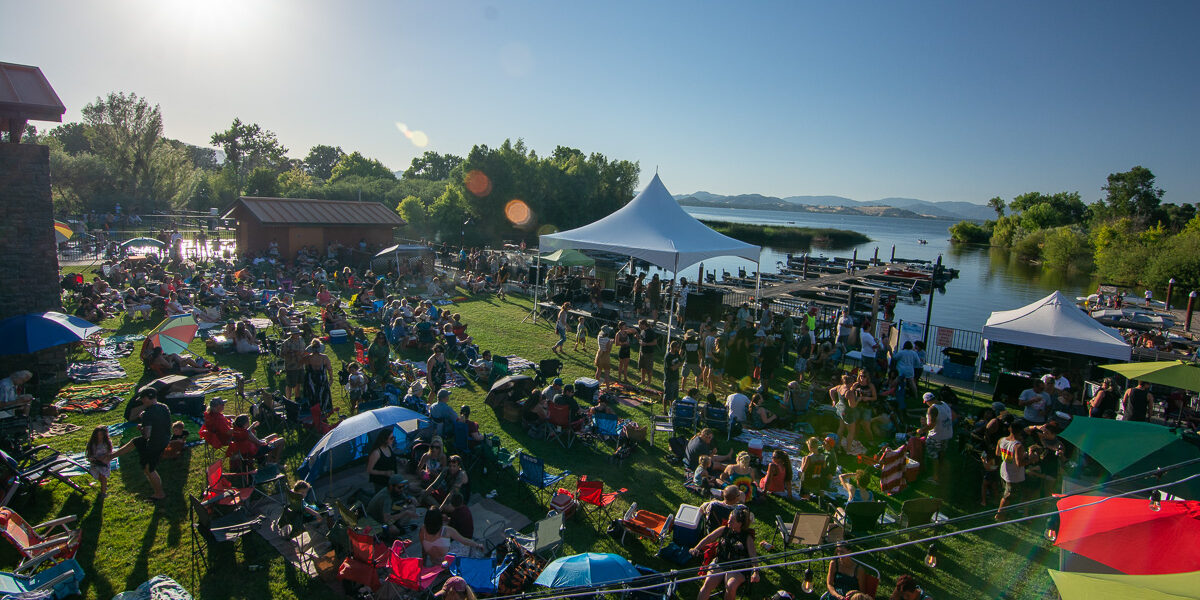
(217, 427)
(247, 444)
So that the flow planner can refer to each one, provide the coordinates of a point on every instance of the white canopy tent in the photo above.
(1055, 323)
(654, 228)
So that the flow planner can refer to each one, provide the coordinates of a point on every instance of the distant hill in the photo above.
(909, 207)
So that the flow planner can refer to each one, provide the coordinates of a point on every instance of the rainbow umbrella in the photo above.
(174, 334)
(62, 232)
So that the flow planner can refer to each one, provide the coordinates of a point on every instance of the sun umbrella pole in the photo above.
(674, 302)
(758, 281)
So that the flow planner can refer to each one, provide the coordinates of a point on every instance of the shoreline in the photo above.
(780, 236)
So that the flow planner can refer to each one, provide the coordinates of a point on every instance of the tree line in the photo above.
(118, 155)
(1128, 237)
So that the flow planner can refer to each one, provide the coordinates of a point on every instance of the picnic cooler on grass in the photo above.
(687, 525)
(338, 336)
(892, 464)
(756, 448)
(586, 389)
(564, 502)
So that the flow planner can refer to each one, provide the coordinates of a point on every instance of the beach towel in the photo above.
(215, 382)
(91, 398)
(107, 351)
(453, 378)
(97, 370)
(517, 364)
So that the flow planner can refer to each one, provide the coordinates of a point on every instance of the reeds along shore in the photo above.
(789, 237)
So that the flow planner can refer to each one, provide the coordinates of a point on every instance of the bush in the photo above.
(1067, 248)
(1028, 245)
(969, 232)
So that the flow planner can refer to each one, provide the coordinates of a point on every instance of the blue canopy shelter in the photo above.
(351, 439)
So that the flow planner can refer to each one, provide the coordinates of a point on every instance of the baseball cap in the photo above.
(999, 407)
(397, 479)
(557, 381)
(443, 393)
(216, 400)
(928, 397)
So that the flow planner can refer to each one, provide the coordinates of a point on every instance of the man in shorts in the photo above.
(292, 351)
(939, 430)
(1011, 452)
(155, 420)
(648, 342)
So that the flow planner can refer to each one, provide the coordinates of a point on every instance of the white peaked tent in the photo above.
(654, 228)
(1055, 323)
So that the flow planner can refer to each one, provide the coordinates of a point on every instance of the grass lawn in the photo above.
(128, 540)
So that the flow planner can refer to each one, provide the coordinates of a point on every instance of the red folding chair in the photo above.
(221, 490)
(408, 572)
(591, 491)
(360, 354)
(367, 555)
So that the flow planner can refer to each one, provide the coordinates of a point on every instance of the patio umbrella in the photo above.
(28, 333)
(587, 569)
(62, 232)
(174, 334)
(142, 242)
(1173, 373)
(1127, 535)
(1109, 586)
(349, 441)
(568, 258)
(1130, 447)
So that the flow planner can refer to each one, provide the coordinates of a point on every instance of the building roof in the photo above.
(300, 211)
(26, 94)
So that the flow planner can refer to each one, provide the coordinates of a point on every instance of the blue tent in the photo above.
(350, 440)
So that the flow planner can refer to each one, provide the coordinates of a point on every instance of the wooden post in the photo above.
(1170, 286)
(893, 253)
(875, 261)
(804, 274)
(1191, 301)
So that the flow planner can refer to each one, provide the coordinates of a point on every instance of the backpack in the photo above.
(616, 530)
(675, 553)
(678, 445)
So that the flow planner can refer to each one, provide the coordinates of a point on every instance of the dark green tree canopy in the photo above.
(1132, 194)
(357, 165)
(432, 166)
(321, 159)
(249, 146)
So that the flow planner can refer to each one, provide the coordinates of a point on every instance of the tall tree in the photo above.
(432, 166)
(262, 182)
(997, 205)
(414, 213)
(321, 159)
(74, 138)
(1132, 194)
(248, 147)
(357, 165)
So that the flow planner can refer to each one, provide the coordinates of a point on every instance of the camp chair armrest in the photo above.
(61, 521)
(53, 542)
(31, 565)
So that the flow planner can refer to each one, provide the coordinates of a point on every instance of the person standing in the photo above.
(292, 352)
(648, 341)
(623, 352)
(1104, 402)
(870, 348)
(787, 331)
(603, 362)
(155, 425)
(436, 370)
(560, 326)
(1137, 401)
(1011, 452)
(379, 355)
(1036, 402)
(906, 361)
(939, 429)
(691, 357)
(672, 363)
(318, 372)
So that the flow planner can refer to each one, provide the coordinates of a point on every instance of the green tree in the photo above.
(1132, 194)
(248, 147)
(969, 232)
(74, 138)
(1067, 248)
(1003, 231)
(997, 205)
(321, 159)
(414, 213)
(357, 165)
(202, 196)
(295, 183)
(432, 166)
(262, 182)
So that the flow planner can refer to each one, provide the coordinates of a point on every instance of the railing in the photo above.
(948, 337)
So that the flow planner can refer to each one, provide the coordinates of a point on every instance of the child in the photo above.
(99, 455)
(580, 335)
(178, 442)
(701, 477)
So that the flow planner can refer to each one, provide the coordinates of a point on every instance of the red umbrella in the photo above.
(1129, 536)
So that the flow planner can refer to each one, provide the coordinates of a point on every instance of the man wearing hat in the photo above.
(392, 507)
(455, 588)
(155, 424)
(555, 388)
(939, 430)
(443, 414)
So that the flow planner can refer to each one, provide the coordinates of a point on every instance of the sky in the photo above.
(932, 100)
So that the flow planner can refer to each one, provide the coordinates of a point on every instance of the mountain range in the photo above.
(904, 207)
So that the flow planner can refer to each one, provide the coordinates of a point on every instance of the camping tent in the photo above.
(654, 228)
(1055, 323)
(568, 258)
(351, 439)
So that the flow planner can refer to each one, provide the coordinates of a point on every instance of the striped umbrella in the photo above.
(62, 232)
(174, 334)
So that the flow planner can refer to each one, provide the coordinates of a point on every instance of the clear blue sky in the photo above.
(939, 101)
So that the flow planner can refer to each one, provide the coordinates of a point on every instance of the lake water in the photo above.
(989, 279)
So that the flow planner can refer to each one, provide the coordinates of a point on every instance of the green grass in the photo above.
(127, 541)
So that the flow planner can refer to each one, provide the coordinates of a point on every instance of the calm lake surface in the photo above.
(989, 279)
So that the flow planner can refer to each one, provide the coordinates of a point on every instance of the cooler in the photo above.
(912, 470)
(586, 389)
(338, 336)
(756, 448)
(687, 525)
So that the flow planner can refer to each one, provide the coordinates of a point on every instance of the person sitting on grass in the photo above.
(759, 416)
(702, 477)
(702, 444)
(436, 536)
(778, 479)
(741, 474)
(815, 467)
(483, 366)
(855, 485)
(392, 507)
(452, 480)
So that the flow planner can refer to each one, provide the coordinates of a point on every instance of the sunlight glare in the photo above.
(518, 213)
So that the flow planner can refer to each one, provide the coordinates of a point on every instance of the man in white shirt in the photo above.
(870, 348)
(737, 403)
(939, 428)
(1036, 402)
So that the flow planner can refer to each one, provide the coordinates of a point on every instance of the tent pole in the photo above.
(674, 301)
(758, 283)
(537, 268)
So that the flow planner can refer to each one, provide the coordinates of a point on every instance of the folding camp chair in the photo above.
(860, 518)
(664, 585)
(57, 582)
(50, 541)
(533, 472)
(591, 492)
(408, 572)
(471, 453)
(367, 555)
(38, 466)
(559, 418)
(547, 535)
(806, 529)
(682, 419)
(227, 489)
(360, 354)
(606, 427)
(871, 580)
(917, 511)
(216, 531)
(648, 525)
(482, 574)
(717, 418)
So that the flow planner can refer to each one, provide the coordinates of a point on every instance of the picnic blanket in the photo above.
(49, 430)
(91, 398)
(631, 395)
(215, 382)
(517, 364)
(126, 337)
(104, 351)
(790, 442)
(96, 370)
(453, 378)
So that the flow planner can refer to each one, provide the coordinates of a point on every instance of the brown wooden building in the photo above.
(295, 222)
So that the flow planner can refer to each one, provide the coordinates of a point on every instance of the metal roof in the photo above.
(300, 211)
(26, 94)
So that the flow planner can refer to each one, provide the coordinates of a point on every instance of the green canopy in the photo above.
(569, 258)
(1130, 447)
(1104, 586)
(1174, 373)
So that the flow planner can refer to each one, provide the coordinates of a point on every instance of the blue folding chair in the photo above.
(607, 427)
(717, 418)
(58, 581)
(482, 574)
(533, 472)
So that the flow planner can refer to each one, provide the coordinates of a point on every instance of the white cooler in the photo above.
(687, 525)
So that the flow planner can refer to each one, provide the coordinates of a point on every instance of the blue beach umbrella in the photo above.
(587, 569)
(351, 438)
(28, 333)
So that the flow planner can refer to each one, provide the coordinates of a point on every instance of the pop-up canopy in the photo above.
(1054, 323)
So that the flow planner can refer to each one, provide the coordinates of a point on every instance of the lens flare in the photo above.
(418, 138)
(517, 212)
(547, 229)
(477, 183)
